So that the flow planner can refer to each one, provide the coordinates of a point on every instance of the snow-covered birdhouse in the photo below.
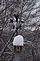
(18, 43)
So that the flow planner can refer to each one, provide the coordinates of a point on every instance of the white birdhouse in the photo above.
(18, 43)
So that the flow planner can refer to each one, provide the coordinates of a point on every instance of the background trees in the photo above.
(29, 15)
(27, 10)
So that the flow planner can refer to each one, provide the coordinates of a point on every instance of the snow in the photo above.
(33, 11)
(18, 40)
(33, 29)
(28, 28)
(36, 9)
(24, 8)
(36, 5)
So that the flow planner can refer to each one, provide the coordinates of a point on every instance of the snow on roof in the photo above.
(18, 41)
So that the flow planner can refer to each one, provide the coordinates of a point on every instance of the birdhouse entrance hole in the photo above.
(18, 49)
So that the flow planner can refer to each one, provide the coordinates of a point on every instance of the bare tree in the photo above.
(27, 11)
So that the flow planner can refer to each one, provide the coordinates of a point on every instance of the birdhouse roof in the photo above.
(18, 40)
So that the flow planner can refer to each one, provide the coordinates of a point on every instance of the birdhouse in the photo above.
(18, 43)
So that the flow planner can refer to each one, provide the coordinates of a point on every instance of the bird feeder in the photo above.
(18, 43)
